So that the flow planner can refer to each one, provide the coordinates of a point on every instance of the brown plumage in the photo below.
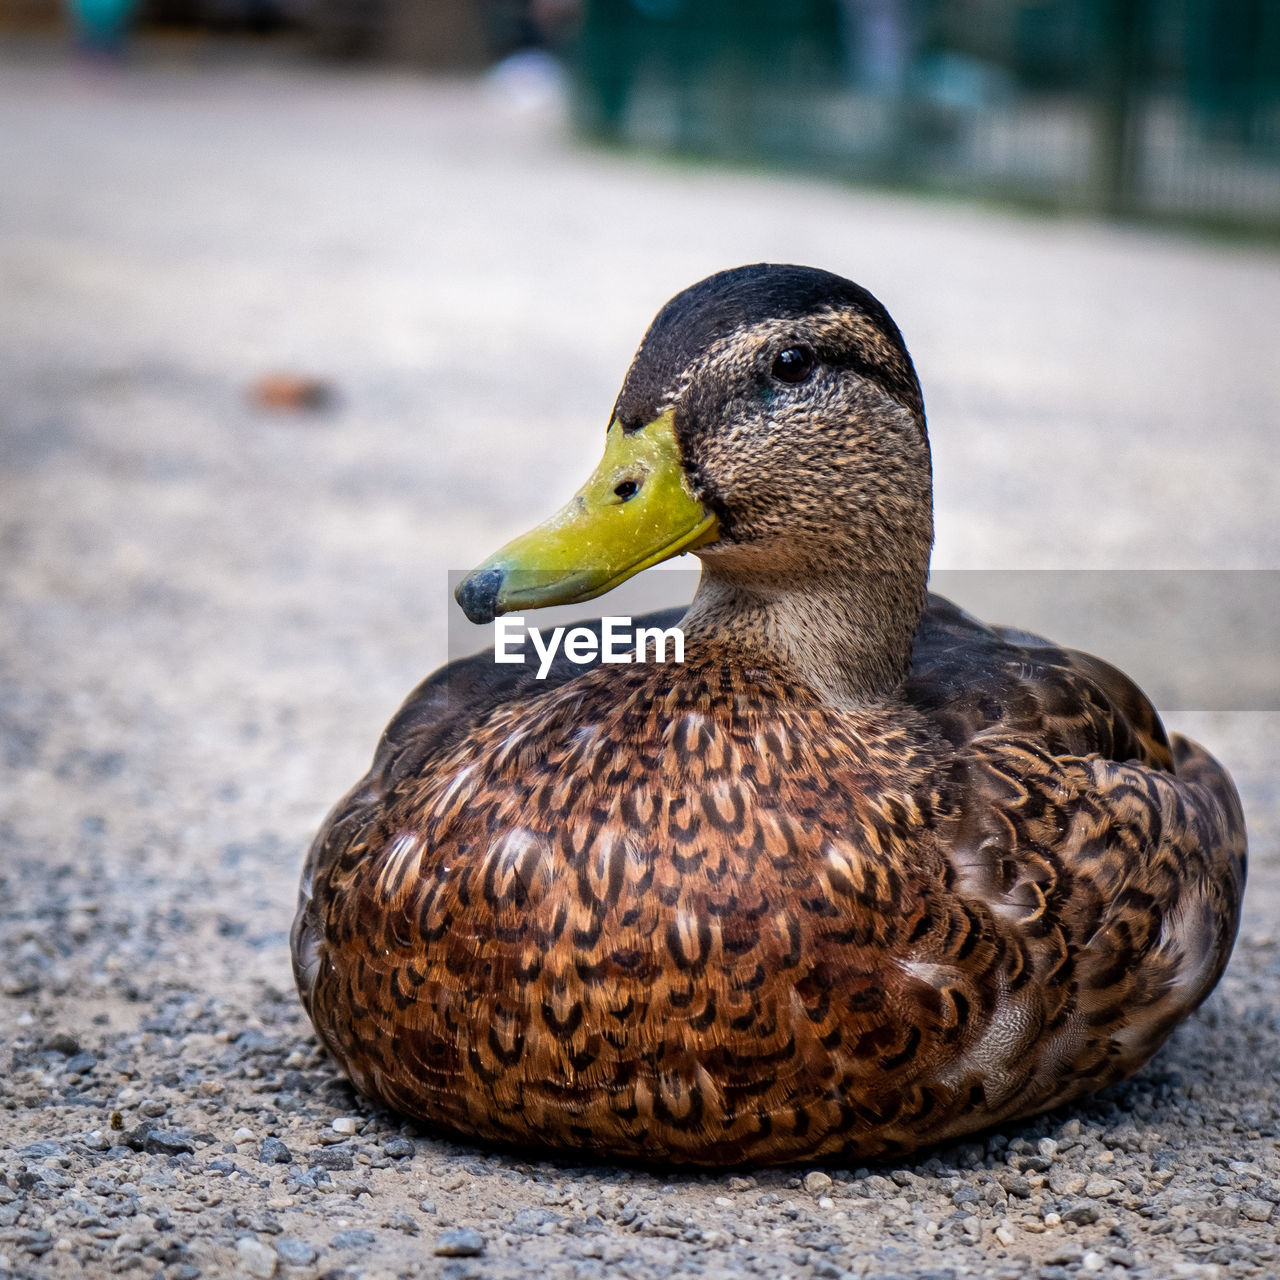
(861, 874)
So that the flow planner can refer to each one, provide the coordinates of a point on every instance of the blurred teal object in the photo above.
(1128, 107)
(102, 25)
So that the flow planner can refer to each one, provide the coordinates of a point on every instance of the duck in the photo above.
(857, 875)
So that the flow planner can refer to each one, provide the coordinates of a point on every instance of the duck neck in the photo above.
(844, 632)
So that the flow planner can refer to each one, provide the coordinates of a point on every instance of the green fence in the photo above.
(1165, 107)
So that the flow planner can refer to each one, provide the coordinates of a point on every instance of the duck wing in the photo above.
(1109, 858)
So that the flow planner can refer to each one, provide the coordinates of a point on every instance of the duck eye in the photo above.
(626, 489)
(794, 364)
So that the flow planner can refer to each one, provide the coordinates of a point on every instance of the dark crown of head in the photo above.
(737, 299)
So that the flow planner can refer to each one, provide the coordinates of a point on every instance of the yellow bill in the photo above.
(635, 511)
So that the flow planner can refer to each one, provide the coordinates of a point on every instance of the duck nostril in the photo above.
(627, 489)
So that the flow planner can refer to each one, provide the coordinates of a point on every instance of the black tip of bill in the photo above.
(477, 593)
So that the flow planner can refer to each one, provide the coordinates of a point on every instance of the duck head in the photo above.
(772, 423)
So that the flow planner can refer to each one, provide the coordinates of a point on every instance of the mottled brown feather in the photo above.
(697, 914)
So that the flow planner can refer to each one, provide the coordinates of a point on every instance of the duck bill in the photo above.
(636, 510)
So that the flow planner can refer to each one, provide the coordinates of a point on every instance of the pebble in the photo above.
(346, 1124)
(159, 1142)
(1257, 1210)
(1080, 1214)
(531, 1219)
(817, 1182)
(331, 1158)
(1063, 1255)
(1063, 1182)
(461, 1243)
(274, 1152)
(294, 1252)
(257, 1259)
(356, 1238)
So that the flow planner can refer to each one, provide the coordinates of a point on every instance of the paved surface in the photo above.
(208, 612)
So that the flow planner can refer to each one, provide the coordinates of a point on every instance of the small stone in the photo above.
(1006, 1236)
(294, 1252)
(331, 1158)
(274, 1152)
(153, 1107)
(1047, 1148)
(357, 1238)
(159, 1143)
(243, 1135)
(258, 1259)
(1092, 1261)
(463, 1243)
(346, 1124)
(62, 1042)
(531, 1219)
(42, 1150)
(1063, 1256)
(1100, 1188)
(1080, 1214)
(38, 1243)
(826, 1202)
(399, 1148)
(1256, 1210)
(1063, 1183)
(427, 1206)
(817, 1182)
(80, 1063)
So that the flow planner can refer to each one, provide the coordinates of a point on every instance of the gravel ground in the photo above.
(208, 611)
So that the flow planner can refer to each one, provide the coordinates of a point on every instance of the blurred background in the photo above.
(1167, 109)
